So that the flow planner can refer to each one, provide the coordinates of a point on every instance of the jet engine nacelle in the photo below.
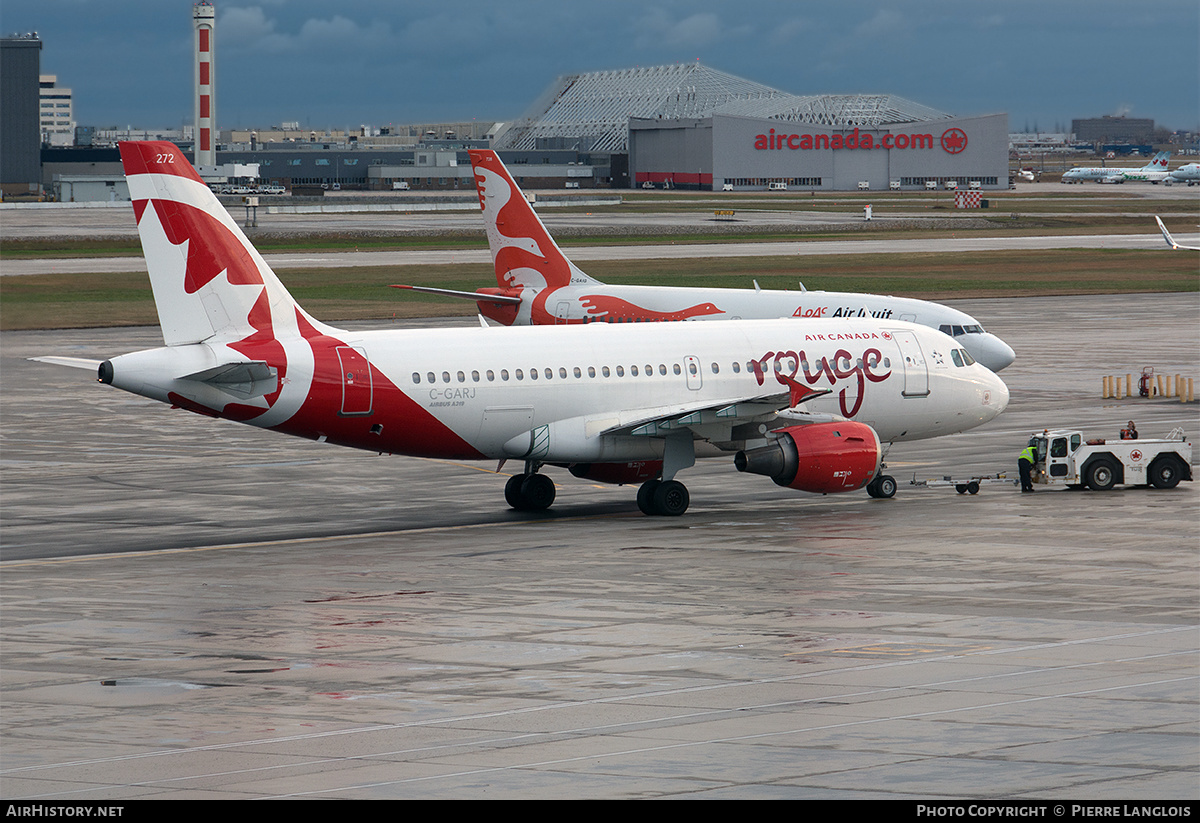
(822, 457)
(637, 471)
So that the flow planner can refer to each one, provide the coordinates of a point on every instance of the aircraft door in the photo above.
(916, 371)
(357, 389)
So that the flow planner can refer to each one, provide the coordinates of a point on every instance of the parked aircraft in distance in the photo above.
(1171, 240)
(1189, 174)
(811, 404)
(1153, 172)
(1107, 174)
(537, 285)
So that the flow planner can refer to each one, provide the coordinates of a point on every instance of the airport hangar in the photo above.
(690, 126)
(754, 153)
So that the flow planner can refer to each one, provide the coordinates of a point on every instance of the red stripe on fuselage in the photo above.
(404, 427)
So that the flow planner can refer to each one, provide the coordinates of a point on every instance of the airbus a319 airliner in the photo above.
(809, 403)
(537, 285)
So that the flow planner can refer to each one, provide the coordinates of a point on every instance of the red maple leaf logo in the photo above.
(954, 140)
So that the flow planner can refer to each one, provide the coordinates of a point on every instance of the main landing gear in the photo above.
(668, 497)
(663, 497)
(883, 487)
(529, 492)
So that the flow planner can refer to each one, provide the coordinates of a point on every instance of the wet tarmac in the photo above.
(197, 609)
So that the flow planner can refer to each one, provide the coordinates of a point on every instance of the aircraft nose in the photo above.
(997, 394)
(989, 350)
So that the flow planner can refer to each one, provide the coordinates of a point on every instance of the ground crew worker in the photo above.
(1025, 465)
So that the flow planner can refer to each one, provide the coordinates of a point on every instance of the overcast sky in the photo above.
(353, 62)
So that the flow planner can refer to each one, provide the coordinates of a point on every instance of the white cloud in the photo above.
(656, 30)
(885, 22)
(250, 29)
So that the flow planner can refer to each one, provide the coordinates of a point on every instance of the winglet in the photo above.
(1171, 240)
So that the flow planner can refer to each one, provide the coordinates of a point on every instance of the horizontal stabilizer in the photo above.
(250, 371)
(469, 295)
(73, 362)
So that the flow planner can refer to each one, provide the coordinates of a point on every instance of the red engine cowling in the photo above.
(823, 457)
(637, 471)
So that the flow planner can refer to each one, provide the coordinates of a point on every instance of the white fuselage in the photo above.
(606, 303)
(473, 392)
(1189, 174)
(1094, 173)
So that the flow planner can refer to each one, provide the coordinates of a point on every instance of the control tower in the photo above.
(204, 22)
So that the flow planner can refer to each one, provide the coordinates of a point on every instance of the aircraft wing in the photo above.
(469, 295)
(1171, 240)
(665, 420)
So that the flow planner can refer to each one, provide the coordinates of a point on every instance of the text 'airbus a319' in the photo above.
(809, 403)
(537, 285)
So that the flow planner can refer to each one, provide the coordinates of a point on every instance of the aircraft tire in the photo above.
(645, 497)
(512, 491)
(883, 487)
(537, 492)
(671, 498)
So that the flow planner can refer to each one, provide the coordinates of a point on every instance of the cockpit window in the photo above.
(954, 355)
(958, 331)
(967, 358)
(944, 329)
(973, 329)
